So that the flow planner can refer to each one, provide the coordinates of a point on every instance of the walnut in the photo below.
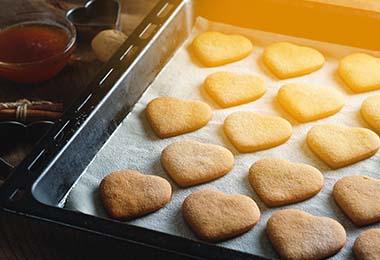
(106, 43)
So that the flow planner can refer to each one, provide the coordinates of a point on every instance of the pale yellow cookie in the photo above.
(359, 197)
(280, 182)
(370, 111)
(250, 132)
(298, 235)
(287, 60)
(360, 72)
(215, 216)
(366, 246)
(191, 163)
(215, 49)
(171, 116)
(230, 89)
(307, 102)
(340, 146)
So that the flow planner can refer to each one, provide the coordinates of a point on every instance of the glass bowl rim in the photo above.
(39, 17)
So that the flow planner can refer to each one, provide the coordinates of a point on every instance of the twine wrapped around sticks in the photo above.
(25, 110)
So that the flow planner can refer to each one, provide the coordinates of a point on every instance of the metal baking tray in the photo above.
(38, 187)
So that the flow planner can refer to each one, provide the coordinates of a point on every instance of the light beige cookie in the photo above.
(359, 197)
(171, 116)
(370, 111)
(367, 245)
(298, 235)
(191, 163)
(360, 72)
(280, 182)
(250, 132)
(215, 49)
(287, 60)
(106, 43)
(339, 146)
(129, 194)
(215, 216)
(307, 102)
(230, 89)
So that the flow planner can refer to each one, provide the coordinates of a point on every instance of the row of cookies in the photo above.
(336, 145)
(276, 181)
(215, 216)
(286, 60)
(304, 102)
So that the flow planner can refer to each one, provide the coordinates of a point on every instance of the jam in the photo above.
(31, 53)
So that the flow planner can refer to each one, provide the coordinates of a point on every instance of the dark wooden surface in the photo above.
(21, 238)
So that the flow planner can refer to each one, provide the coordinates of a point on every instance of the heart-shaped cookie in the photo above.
(287, 60)
(191, 163)
(215, 216)
(129, 194)
(361, 72)
(279, 182)
(298, 235)
(215, 49)
(366, 246)
(339, 146)
(171, 116)
(370, 111)
(250, 132)
(230, 89)
(306, 102)
(359, 197)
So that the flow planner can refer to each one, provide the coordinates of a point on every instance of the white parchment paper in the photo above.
(135, 146)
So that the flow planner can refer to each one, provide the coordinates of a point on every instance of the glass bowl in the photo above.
(38, 69)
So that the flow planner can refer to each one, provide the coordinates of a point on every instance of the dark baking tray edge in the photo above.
(84, 128)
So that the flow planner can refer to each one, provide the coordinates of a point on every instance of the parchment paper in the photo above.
(135, 146)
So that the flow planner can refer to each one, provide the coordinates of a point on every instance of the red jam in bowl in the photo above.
(34, 52)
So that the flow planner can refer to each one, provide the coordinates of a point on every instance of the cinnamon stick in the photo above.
(31, 116)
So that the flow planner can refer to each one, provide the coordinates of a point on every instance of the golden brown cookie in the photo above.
(287, 60)
(280, 182)
(298, 235)
(230, 89)
(360, 72)
(215, 49)
(367, 245)
(171, 116)
(250, 132)
(339, 146)
(191, 163)
(359, 197)
(370, 111)
(129, 194)
(307, 102)
(215, 216)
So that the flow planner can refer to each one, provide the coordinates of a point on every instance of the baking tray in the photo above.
(39, 186)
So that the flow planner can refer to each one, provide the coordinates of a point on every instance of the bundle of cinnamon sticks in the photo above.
(29, 111)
